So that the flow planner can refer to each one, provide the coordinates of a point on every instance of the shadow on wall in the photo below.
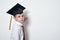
(26, 25)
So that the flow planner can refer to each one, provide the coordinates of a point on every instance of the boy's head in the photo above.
(17, 12)
(19, 17)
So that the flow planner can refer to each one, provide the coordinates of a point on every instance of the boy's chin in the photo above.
(21, 21)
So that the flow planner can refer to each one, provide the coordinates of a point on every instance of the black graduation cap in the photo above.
(17, 9)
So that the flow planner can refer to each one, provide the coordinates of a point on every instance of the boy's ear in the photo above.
(25, 18)
(15, 17)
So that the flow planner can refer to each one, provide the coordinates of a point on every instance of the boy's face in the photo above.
(19, 18)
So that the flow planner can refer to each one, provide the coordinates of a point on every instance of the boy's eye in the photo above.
(22, 15)
(18, 16)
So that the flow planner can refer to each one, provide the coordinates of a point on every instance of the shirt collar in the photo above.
(18, 23)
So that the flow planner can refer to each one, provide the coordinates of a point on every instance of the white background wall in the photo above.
(44, 19)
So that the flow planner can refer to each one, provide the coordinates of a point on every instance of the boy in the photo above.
(17, 32)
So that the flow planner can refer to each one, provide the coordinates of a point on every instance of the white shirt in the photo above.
(16, 31)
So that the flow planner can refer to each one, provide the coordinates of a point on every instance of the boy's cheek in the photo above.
(20, 19)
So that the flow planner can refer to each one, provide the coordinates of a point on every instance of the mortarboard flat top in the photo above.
(17, 9)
